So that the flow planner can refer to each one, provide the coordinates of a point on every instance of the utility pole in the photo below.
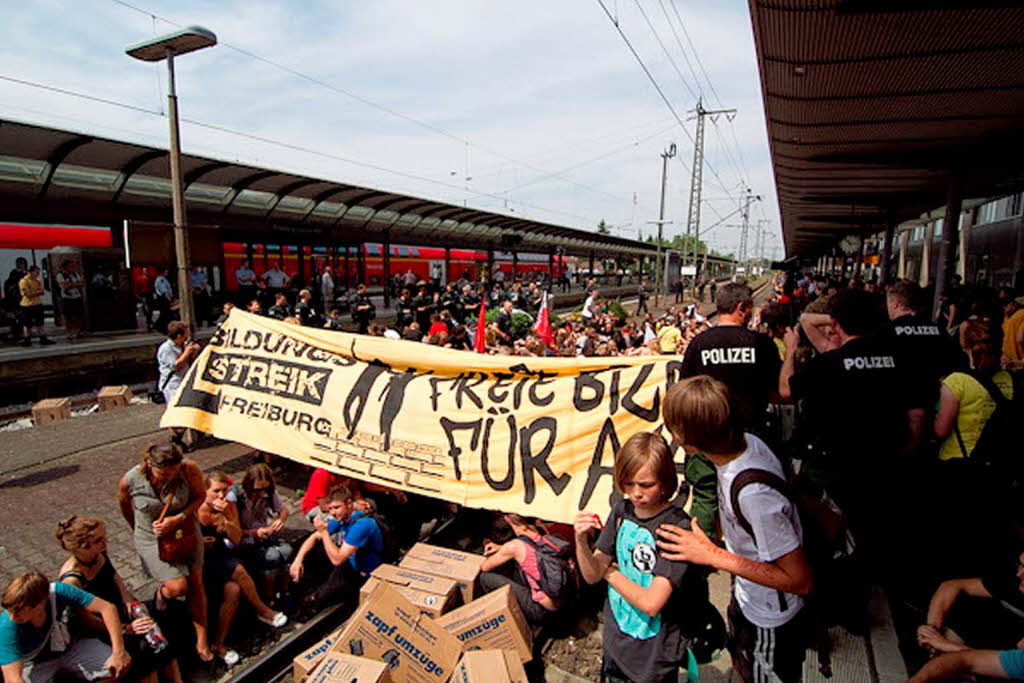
(742, 256)
(697, 183)
(660, 266)
(759, 243)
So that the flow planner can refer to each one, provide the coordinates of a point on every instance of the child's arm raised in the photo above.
(593, 565)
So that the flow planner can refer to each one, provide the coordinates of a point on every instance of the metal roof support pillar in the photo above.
(515, 264)
(946, 263)
(591, 274)
(361, 265)
(488, 277)
(926, 256)
(385, 279)
(961, 264)
(551, 266)
(890, 232)
(858, 265)
(901, 271)
(348, 280)
(447, 265)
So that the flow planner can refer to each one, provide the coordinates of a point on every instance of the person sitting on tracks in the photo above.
(159, 497)
(650, 599)
(90, 569)
(280, 310)
(225, 578)
(762, 530)
(346, 545)
(524, 577)
(35, 644)
(263, 514)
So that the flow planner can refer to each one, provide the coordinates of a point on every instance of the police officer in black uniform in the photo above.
(470, 303)
(932, 353)
(363, 310)
(865, 408)
(406, 310)
(748, 363)
(423, 304)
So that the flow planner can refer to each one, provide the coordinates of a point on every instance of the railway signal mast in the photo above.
(697, 182)
(742, 256)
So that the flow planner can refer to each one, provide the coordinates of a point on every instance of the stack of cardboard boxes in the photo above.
(406, 632)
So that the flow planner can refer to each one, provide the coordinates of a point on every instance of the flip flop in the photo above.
(277, 621)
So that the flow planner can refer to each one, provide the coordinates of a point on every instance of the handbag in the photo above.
(179, 546)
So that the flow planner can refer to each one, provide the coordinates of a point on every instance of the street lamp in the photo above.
(154, 50)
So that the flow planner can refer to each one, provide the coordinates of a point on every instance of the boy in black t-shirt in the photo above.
(649, 597)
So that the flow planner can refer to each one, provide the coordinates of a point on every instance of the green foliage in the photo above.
(616, 309)
(521, 323)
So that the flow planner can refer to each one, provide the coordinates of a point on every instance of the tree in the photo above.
(603, 228)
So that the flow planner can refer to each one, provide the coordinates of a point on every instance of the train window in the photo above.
(415, 253)
(403, 251)
(373, 249)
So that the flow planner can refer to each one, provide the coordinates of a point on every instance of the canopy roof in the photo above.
(872, 106)
(50, 175)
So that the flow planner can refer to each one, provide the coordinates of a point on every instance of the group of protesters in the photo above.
(838, 437)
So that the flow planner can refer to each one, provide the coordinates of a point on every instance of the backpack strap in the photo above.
(771, 480)
(990, 386)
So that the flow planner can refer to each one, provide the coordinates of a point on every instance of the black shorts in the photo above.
(32, 316)
(758, 653)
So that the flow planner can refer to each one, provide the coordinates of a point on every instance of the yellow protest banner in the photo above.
(535, 436)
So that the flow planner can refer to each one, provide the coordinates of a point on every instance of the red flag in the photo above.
(480, 339)
(542, 328)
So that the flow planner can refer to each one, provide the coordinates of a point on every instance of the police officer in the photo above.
(423, 304)
(406, 310)
(745, 361)
(363, 310)
(865, 410)
(932, 353)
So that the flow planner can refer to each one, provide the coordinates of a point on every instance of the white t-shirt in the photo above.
(275, 278)
(588, 307)
(776, 526)
(166, 356)
(327, 284)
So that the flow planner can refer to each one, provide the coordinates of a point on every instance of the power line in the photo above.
(370, 103)
(661, 92)
(668, 20)
(665, 50)
(277, 143)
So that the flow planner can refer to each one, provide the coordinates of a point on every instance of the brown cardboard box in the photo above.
(432, 594)
(114, 397)
(490, 666)
(389, 628)
(304, 663)
(453, 564)
(493, 622)
(50, 410)
(338, 667)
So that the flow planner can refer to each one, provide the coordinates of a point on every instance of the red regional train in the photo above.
(404, 258)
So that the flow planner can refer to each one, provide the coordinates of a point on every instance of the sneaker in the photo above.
(277, 621)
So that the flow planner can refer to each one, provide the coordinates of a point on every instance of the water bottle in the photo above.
(154, 637)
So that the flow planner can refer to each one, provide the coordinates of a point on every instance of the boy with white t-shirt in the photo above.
(763, 537)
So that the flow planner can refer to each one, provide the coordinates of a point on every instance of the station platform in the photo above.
(29, 374)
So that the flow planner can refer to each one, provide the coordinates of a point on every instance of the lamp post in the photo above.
(167, 48)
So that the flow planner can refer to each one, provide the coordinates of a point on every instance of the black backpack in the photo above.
(999, 462)
(391, 549)
(556, 566)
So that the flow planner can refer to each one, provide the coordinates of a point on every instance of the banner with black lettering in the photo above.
(535, 436)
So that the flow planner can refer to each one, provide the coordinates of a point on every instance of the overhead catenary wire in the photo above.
(277, 143)
(660, 91)
(380, 107)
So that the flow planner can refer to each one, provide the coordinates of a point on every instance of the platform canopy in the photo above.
(51, 175)
(872, 106)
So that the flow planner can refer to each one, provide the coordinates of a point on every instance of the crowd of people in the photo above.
(837, 437)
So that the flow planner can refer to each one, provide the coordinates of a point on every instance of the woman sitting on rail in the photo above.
(262, 515)
(224, 576)
(159, 498)
(90, 569)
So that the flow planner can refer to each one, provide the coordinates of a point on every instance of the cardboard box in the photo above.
(389, 628)
(304, 663)
(51, 410)
(110, 398)
(433, 595)
(493, 622)
(338, 667)
(452, 564)
(490, 666)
